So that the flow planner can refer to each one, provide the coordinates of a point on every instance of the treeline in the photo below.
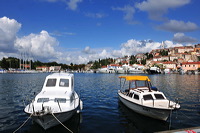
(12, 62)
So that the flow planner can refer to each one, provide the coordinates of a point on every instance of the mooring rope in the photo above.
(23, 124)
(61, 123)
(170, 119)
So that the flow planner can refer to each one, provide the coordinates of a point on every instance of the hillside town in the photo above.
(185, 59)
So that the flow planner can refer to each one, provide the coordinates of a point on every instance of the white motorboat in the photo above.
(103, 70)
(57, 101)
(141, 97)
(108, 69)
(135, 70)
(121, 69)
(154, 70)
(167, 71)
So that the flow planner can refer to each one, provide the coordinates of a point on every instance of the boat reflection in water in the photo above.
(134, 122)
(73, 124)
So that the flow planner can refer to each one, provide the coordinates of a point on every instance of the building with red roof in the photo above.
(188, 66)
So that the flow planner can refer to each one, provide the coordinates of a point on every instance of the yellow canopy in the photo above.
(135, 77)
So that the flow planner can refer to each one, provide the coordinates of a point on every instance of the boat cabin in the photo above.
(58, 88)
(59, 81)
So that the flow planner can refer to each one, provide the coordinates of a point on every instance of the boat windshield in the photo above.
(51, 83)
(64, 83)
(140, 83)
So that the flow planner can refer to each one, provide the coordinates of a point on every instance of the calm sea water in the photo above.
(102, 112)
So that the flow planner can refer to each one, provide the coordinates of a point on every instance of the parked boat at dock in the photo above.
(2, 71)
(107, 69)
(153, 70)
(122, 69)
(144, 99)
(57, 101)
(135, 70)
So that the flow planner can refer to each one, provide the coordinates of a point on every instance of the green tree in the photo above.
(96, 65)
(37, 63)
(4, 64)
(133, 60)
(143, 62)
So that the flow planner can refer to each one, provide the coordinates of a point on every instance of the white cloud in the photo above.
(117, 53)
(40, 46)
(104, 54)
(58, 33)
(71, 4)
(182, 38)
(95, 15)
(157, 8)
(84, 56)
(170, 44)
(128, 13)
(82, 60)
(178, 26)
(88, 50)
(133, 47)
(8, 31)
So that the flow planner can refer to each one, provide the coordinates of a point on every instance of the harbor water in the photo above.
(102, 111)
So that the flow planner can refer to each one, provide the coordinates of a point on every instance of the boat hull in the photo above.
(121, 71)
(47, 121)
(160, 114)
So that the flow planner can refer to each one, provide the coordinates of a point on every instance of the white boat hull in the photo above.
(121, 71)
(160, 114)
(135, 71)
(47, 121)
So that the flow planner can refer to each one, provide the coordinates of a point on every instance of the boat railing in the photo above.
(31, 105)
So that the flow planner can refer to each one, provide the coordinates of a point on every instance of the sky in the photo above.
(79, 31)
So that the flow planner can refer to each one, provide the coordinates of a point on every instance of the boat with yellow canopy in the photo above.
(137, 93)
